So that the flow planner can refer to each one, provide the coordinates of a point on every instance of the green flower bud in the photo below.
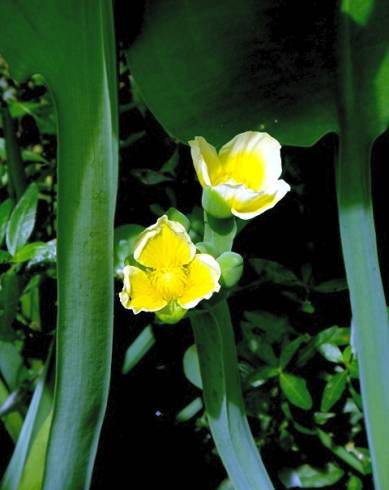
(214, 204)
(171, 314)
(231, 265)
(206, 248)
(174, 215)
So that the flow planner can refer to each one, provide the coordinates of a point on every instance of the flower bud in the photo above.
(231, 265)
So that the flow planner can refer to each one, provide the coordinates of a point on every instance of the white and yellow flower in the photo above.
(244, 174)
(170, 277)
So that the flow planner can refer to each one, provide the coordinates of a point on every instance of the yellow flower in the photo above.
(171, 276)
(244, 173)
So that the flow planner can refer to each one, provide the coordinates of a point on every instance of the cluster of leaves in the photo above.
(27, 248)
(300, 383)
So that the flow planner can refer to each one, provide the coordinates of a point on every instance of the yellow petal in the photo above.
(252, 159)
(205, 159)
(138, 293)
(164, 245)
(261, 202)
(202, 281)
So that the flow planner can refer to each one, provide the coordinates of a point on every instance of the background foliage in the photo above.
(291, 312)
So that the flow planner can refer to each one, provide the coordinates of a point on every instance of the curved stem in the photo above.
(223, 399)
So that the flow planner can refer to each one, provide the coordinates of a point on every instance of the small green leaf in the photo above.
(138, 349)
(354, 483)
(29, 252)
(290, 349)
(275, 272)
(192, 409)
(260, 376)
(331, 352)
(22, 220)
(5, 257)
(192, 367)
(333, 390)
(332, 286)
(296, 391)
(5, 211)
(307, 476)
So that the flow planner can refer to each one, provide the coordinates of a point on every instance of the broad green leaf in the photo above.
(45, 254)
(22, 220)
(5, 211)
(307, 476)
(71, 44)
(5, 257)
(192, 367)
(138, 349)
(290, 349)
(296, 391)
(333, 390)
(223, 399)
(204, 69)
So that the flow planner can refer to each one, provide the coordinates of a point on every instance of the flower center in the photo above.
(169, 283)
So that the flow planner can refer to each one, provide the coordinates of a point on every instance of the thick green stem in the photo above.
(17, 177)
(223, 399)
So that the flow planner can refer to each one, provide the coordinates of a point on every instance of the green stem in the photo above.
(369, 312)
(17, 177)
(223, 399)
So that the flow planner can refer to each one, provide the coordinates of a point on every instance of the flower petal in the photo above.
(164, 245)
(205, 160)
(261, 202)
(202, 282)
(251, 158)
(138, 294)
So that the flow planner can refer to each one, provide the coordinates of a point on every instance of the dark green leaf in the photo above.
(296, 391)
(290, 349)
(333, 390)
(22, 221)
(10, 289)
(260, 376)
(275, 273)
(333, 286)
